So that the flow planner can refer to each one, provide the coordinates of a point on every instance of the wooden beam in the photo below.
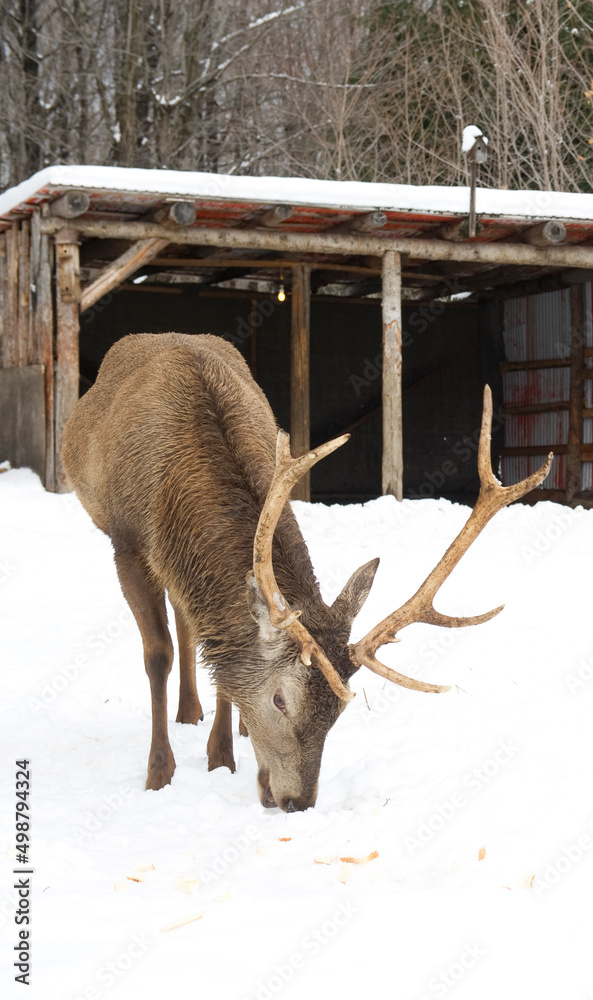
(275, 264)
(113, 275)
(70, 205)
(347, 243)
(274, 217)
(174, 214)
(67, 350)
(545, 234)
(393, 466)
(457, 232)
(300, 432)
(362, 223)
(43, 326)
(576, 393)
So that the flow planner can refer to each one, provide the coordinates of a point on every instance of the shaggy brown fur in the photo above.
(172, 453)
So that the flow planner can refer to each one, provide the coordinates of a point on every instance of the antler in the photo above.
(288, 472)
(493, 497)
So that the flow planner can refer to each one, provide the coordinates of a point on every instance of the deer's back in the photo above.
(170, 416)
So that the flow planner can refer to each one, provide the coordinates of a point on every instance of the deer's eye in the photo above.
(279, 702)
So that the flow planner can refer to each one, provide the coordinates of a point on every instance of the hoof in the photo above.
(221, 756)
(161, 768)
(190, 713)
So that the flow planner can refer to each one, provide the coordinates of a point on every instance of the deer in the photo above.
(175, 454)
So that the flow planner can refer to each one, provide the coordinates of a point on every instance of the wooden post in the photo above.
(393, 465)
(576, 395)
(25, 333)
(11, 299)
(43, 328)
(68, 326)
(299, 373)
(2, 295)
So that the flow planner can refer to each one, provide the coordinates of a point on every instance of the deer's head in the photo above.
(306, 655)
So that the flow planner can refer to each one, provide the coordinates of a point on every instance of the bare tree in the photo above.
(375, 90)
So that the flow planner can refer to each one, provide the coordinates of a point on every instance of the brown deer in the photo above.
(175, 454)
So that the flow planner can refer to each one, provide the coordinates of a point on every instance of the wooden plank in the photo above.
(2, 294)
(300, 428)
(43, 326)
(576, 393)
(113, 275)
(67, 334)
(26, 349)
(22, 417)
(393, 465)
(519, 411)
(586, 450)
(348, 243)
(528, 366)
(11, 299)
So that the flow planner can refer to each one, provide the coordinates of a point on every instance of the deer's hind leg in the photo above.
(190, 709)
(147, 603)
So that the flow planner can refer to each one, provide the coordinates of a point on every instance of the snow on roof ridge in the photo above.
(305, 191)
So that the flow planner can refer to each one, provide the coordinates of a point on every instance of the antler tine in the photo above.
(419, 608)
(288, 471)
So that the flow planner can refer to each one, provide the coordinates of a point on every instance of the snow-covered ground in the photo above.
(478, 802)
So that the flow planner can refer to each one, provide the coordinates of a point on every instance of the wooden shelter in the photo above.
(71, 236)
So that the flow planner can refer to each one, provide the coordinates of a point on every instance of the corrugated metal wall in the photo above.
(538, 328)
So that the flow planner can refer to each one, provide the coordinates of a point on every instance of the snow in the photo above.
(343, 195)
(470, 134)
(503, 762)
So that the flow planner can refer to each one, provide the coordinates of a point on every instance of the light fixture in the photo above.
(281, 292)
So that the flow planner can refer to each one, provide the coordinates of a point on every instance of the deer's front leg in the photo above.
(220, 741)
(147, 604)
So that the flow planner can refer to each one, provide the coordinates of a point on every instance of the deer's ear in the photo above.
(347, 605)
(259, 610)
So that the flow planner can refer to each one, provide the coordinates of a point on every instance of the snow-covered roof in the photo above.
(140, 189)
